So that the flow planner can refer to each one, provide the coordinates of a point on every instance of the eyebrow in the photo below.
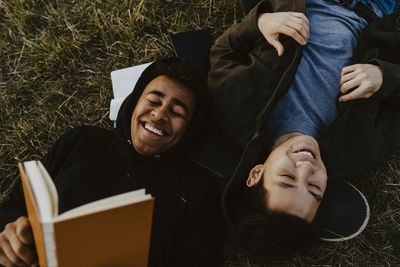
(175, 101)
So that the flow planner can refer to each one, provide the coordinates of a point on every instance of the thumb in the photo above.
(277, 45)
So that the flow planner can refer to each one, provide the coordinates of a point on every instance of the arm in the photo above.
(260, 27)
(16, 240)
(14, 206)
(378, 74)
(382, 81)
(232, 48)
(245, 68)
(390, 88)
(54, 159)
(368, 130)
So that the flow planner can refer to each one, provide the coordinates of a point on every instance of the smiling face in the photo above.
(161, 116)
(294, 177)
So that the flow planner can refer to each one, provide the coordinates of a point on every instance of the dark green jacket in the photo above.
(247, 78)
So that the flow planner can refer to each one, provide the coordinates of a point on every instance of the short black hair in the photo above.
(183, 72)
(265, 235)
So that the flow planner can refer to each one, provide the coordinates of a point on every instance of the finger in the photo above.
(23, 252)
(294, 34)
(302, 24)
(4, 260)
(348, 69)
(11, 256)
(300, 16)
(24, 231)
(277, 45)
(299, 28)
(350, 85)
(347, 77)
(356, 94)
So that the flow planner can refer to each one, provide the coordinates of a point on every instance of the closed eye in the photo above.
(314, 185)
(285, 185)
(155, 103)
(289, 176)
(317, 197)
(177, 114)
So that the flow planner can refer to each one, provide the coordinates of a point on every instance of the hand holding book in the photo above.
(16, 244)
(110, 231)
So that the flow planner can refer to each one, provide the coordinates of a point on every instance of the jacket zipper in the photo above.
(173, 189)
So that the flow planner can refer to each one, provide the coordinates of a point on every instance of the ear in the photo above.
(254, 175)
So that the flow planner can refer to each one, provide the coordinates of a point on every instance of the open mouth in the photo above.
(306, 151)
(152, 129)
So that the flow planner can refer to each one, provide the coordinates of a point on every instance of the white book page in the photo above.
(51, 188)
(39, 185)
(105, 204)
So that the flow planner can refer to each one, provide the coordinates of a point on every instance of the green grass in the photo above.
(56, 57)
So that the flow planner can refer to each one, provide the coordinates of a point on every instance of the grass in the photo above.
(56, 57)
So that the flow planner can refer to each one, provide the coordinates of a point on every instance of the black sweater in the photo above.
(90, 163)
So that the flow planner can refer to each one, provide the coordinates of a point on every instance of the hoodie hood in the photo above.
(185, 73)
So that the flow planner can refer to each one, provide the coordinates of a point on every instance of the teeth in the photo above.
(305, 152)
(153, 130)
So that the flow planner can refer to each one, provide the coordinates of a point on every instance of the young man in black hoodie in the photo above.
(157, 127)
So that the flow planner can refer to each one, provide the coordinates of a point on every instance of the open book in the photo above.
(114, 231)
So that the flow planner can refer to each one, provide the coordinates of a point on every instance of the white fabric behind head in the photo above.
(123, 82)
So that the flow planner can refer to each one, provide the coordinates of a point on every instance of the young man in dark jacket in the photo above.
(248, 79)
(158, 125)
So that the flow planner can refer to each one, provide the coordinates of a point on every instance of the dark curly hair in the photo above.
(264, 234)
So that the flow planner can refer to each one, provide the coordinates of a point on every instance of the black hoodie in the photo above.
(91, 163)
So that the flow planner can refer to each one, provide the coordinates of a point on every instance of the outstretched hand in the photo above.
(293, 24)
(364, 79)
(16, 244)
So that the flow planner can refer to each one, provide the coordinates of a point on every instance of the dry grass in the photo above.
(56, 57)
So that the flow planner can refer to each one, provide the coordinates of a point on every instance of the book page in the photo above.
(43, 198)
(51, 188)
(104, 204)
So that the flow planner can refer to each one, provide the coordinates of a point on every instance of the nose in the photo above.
(304, 169)
(160, 113)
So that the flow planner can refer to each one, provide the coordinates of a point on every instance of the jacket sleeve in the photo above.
(231, 50)
(390, 88)
(368, 130)
(14, 205)
(61, 150)
(243, 47)
(243, 67)
(379, 45)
